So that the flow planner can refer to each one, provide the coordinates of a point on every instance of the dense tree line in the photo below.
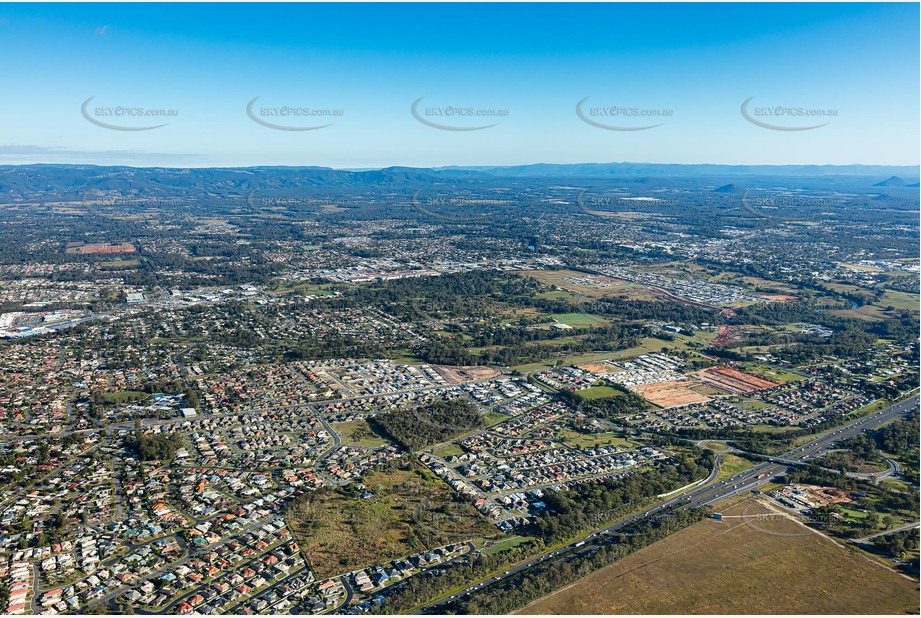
(416, 428)
(433, 583)
(590, 505)
(532, 584)
(898, 544)
(901, 439)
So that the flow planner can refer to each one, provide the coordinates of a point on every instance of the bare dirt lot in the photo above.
(734, 381)
(459, 375)
(741, 565)
(669, 394)
(598, 368)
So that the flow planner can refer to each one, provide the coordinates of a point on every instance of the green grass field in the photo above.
(899, 300)
(578, 319)
(494, 418)
(598, 392)
(772, 373)
(579, 440)
(119, 264)
(732, 465)
(754, 404)
(359, 433)
(652, 344)
(450, 450)
(502, 545)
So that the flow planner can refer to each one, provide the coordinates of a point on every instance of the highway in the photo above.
(742, 482)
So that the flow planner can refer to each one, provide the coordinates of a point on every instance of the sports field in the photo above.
(740, 565)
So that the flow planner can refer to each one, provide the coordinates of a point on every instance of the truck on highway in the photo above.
(580, 543)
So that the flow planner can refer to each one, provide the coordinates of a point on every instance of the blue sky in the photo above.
(695, 64)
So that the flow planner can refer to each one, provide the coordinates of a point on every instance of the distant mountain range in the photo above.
(606, 170)
(74, 181)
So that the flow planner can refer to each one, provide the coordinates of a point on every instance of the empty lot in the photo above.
(669, 394)
(738, 566)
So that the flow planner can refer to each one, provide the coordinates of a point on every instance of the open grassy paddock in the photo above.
(359, 433)
(732, 465)
(598, 392)
(407, 511)
(577, 320)
(739, 566)
(580, 440)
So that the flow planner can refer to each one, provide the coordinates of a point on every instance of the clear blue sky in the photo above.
(537, 61)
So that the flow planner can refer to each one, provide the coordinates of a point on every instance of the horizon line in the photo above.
(479, 167)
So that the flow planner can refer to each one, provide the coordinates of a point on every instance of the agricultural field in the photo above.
(740, 565)
(401, 512)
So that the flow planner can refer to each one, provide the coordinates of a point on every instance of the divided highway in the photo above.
(743, 482)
